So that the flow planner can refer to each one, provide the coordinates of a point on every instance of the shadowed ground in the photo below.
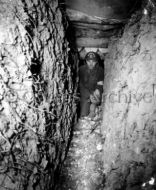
(83, 167)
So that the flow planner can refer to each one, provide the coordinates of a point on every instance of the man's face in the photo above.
(91, 63)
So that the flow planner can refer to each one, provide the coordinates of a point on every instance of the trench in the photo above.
(44, 145)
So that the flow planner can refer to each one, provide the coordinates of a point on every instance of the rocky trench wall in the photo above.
(37, 94)
(129, 114)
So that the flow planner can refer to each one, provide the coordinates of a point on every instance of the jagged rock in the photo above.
(129, 105)
(37, 94)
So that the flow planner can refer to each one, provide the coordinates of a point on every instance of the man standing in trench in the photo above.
(91, 77)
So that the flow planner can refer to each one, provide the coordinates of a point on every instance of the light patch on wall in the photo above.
(151, 182)
(145, 12)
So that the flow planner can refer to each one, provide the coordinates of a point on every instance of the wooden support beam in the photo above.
(82, 17)
(92, 33)
(102, 50)
(95, 26)
(88, 49)
(91, 42)
(79, 16)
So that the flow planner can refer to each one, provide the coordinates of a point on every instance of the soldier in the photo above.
(91, 76)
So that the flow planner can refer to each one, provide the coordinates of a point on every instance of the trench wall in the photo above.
(37, 94)
(129, 114)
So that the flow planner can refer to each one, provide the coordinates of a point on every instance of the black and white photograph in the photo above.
(77, 94)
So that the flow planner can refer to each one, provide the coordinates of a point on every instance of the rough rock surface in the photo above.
(37, 94)
(129, 115)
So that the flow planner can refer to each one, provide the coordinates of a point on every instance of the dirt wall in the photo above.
(37, 94)
(129, 115)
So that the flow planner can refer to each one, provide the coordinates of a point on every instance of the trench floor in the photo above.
(83, 166)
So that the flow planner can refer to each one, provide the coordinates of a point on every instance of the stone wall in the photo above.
(129, 116)
(37, 95)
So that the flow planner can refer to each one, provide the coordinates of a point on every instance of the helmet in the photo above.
(91, 56)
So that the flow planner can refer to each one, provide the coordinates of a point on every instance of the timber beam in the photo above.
(91, 42)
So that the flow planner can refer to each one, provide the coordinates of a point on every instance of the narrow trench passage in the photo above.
(44, 142)
(83, 168)
(113, 156)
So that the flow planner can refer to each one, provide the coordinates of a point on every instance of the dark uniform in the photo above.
(88, 84)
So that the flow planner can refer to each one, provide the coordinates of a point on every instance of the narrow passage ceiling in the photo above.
(95, 21)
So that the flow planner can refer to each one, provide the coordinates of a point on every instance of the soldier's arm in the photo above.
(100, 82)
(83, 87)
